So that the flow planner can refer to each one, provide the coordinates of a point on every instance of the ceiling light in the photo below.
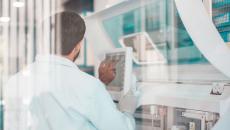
(4, 19)
(18, 4)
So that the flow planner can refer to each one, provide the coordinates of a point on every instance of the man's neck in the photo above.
(68, 57)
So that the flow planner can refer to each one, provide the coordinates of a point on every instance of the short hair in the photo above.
(69, 31)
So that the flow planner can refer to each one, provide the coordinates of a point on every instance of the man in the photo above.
(53, 94)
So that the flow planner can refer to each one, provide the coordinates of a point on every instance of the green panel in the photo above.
(121, 25)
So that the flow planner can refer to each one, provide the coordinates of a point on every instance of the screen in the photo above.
(119, 60)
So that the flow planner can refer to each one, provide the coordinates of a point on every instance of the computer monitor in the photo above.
(144, 50)
(122, 58)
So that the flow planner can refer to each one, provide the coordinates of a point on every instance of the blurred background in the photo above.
(23, 35)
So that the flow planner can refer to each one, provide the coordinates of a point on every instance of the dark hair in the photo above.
(69, 31)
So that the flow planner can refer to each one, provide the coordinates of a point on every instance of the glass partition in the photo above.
(161, 21)
(167, 32)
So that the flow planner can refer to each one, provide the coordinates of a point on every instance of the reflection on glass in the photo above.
(171, 40)
(144, 50)
(160, 20)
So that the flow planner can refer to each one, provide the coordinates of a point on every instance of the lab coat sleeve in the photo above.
(106, 116)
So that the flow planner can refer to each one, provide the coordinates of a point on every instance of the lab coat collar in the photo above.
(54, 59)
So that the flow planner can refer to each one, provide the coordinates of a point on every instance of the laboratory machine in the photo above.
(182, 87)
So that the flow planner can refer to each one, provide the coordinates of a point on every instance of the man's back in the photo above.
(54, 94)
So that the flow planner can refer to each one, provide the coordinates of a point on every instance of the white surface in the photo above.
(223, 123)
(195, 97)
(204, 34)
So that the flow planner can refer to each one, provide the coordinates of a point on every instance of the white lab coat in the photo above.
(53, 94)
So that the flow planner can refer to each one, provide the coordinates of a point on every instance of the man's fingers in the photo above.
(112, 65)
(107, 67)
(103, 64)
(107, 70)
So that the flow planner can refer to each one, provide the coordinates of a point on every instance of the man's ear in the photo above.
(78, 46)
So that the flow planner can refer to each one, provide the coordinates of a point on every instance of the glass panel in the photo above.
(161, 21)
(159, 28)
